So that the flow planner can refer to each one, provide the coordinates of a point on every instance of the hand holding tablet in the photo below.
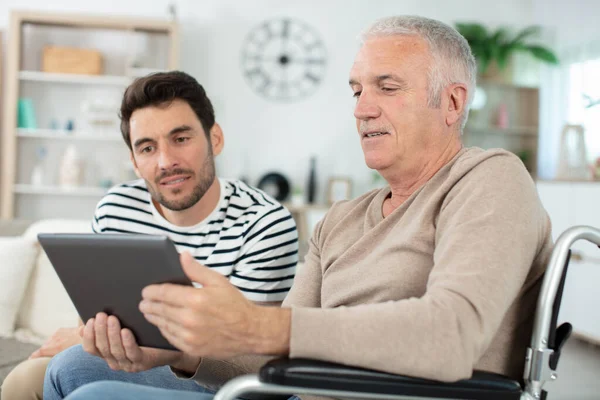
(107, 273)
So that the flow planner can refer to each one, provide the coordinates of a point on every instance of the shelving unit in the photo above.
(59, 134)
(515, 130)
(60, 191)
(306, 217)
(129, 48)
(37, 76)
(521, 133)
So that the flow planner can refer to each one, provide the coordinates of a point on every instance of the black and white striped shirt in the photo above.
(249, 237)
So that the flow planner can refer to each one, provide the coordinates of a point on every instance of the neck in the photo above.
(404, 183)
(196, 213)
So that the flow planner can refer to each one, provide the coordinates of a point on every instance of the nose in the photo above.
(167, 158)
(366, 107)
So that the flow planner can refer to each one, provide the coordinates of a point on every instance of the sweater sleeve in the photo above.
(488, 232)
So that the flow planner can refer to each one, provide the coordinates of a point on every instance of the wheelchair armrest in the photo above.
(330, 376)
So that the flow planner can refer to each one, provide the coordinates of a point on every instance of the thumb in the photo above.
(35, 354)
(199, 273)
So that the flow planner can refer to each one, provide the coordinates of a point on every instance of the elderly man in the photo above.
(433, 276)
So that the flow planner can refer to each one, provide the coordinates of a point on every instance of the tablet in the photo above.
(107, 272)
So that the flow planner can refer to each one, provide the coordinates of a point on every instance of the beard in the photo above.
(206, 177)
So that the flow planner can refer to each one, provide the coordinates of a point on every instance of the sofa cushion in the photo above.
(17, 255)
(13, 227)
(47, 306)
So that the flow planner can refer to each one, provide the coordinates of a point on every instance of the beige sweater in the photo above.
(445, 284)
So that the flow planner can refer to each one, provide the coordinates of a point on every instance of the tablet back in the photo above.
(107, 272)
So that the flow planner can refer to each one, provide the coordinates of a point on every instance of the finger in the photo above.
(176, 319)
(177, 342)
(165, 325)
(89, 338)
(80, 330)
(132, 349)
(169, 333)
(45, 351)
(35, 354)
(160, 308)
(48, 351)
(175, 295)
(101, 337)
(178, 294)
(174, 334)
(115, 343)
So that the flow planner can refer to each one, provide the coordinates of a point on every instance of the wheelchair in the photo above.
(302, 376)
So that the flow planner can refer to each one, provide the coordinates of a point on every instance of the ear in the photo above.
(135, 167)
(216, 139)
(456, 103)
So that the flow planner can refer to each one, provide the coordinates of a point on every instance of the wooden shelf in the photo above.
(106, 80)
(57, 134)
(139, 72)
(504, 85)
(60, 191)
(513, 130)
(76, 20)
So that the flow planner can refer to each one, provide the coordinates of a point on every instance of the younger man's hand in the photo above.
(103, 337)
(61, 339)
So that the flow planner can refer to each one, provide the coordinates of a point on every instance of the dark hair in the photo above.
(162, 88)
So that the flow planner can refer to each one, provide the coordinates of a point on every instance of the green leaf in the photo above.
(499, 36)
(503, 56)
(472, 31)
(543, 54)
(499, 45)
(518, 39)
(483, 58)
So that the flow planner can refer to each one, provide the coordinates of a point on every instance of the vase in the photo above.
(71, 168)
(312, 182)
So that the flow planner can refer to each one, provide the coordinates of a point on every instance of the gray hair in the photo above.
(453, 60)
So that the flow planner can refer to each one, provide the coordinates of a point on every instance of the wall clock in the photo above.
(283, 59)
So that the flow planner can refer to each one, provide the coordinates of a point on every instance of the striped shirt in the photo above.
(249, 237)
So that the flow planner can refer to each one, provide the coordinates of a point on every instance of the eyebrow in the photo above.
(174, 131)
(380, 78)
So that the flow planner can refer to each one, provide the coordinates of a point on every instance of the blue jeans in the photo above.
(127, 391)
(73, 368)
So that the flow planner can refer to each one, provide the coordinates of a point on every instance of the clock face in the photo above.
(283, 59)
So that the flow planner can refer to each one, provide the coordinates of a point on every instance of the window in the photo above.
(584, 102)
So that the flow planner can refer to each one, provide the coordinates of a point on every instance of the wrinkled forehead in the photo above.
(385, 54)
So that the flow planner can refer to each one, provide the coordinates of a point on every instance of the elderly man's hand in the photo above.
(215, 320)
(103, 337)
(61, 339)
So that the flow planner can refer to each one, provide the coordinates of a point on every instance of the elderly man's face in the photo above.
(389, 79)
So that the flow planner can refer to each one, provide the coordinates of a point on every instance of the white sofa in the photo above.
(44, 305)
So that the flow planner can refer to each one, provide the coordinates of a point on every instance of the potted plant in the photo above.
(493, 49)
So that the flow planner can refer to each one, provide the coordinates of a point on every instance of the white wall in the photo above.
(574, 23)
(262, 135)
